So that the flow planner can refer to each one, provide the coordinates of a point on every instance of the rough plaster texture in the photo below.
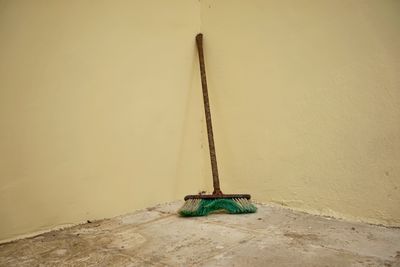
(306, 98)
(101, 113)
(158, 237)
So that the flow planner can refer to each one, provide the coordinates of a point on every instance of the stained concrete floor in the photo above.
(273, 236)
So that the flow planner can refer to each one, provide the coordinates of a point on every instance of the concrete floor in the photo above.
(273, 236)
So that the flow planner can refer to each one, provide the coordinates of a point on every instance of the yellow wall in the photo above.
(101, 113)
(93, 108)
(306, 97)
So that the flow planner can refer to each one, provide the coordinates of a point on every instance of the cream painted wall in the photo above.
(94, 105)
(306, 98)
(101, 112)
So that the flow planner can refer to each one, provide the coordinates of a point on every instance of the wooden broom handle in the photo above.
(211, 145)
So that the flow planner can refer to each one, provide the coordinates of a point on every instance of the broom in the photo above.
(201, 205)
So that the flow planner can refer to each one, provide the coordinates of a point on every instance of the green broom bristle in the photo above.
(202, 207)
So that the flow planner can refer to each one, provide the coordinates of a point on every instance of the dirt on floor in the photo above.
(274, 236)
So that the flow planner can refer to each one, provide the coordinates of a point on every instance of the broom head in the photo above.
(201, 205)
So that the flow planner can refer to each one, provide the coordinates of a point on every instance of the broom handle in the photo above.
(211, 145)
